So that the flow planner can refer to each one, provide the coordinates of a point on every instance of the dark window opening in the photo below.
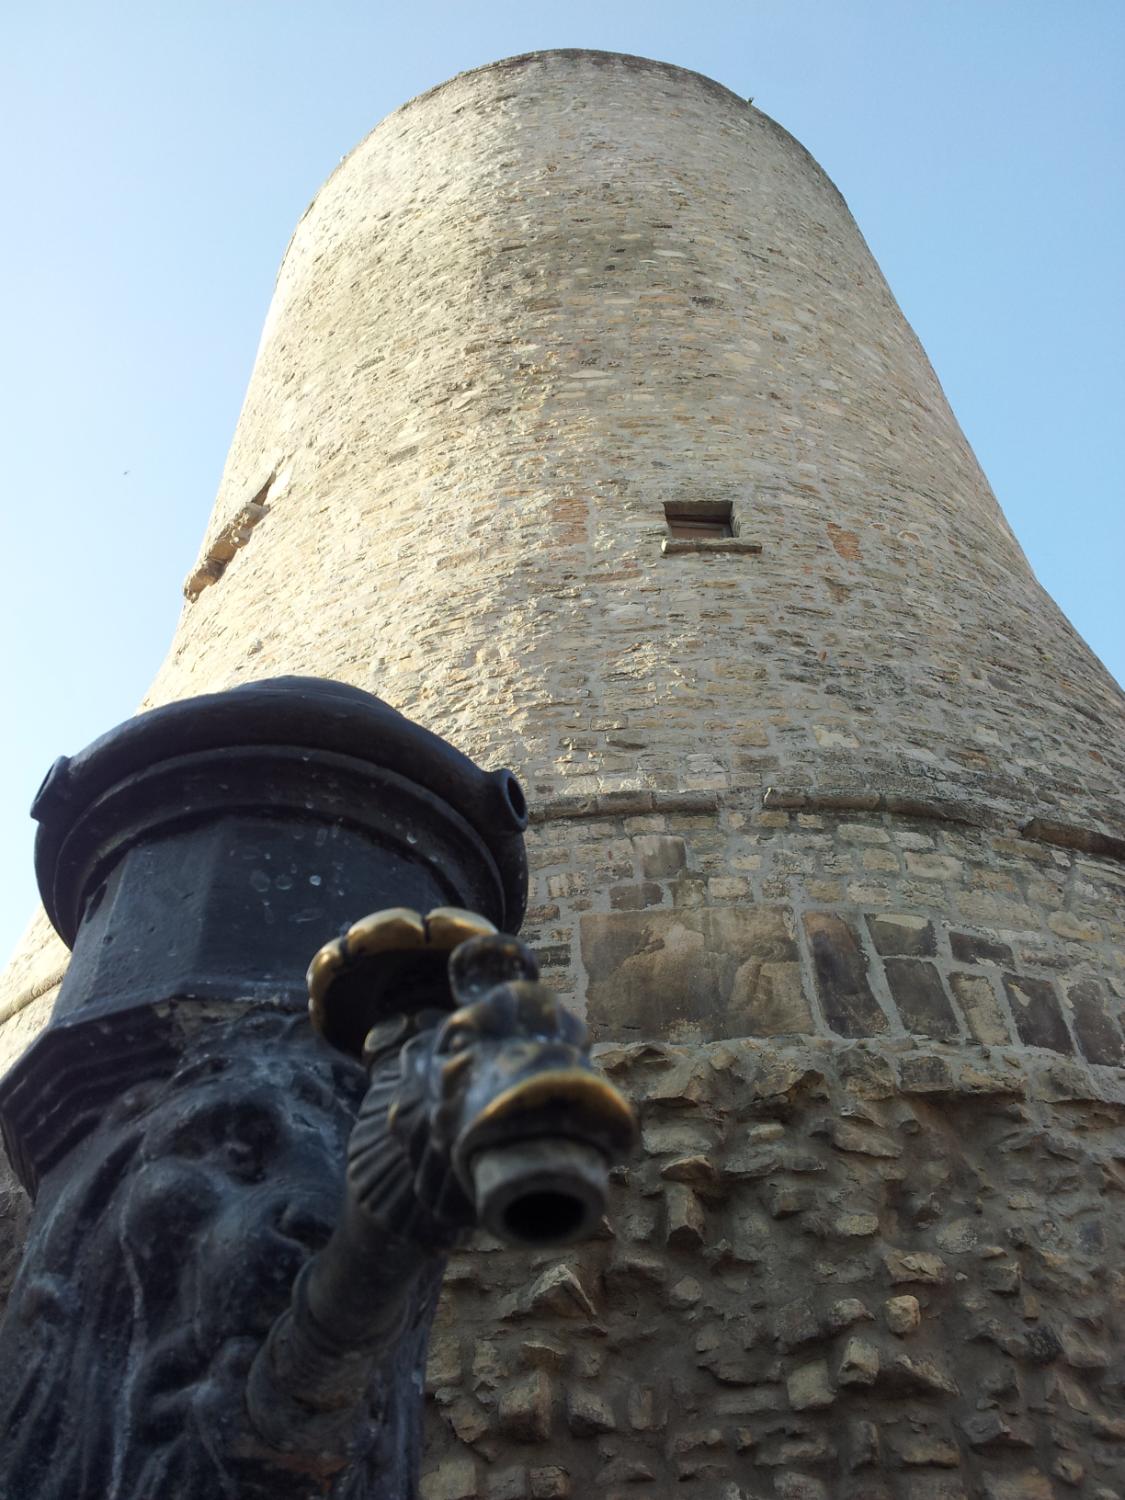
(699, 519)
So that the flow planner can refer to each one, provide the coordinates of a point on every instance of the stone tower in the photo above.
(585, 430)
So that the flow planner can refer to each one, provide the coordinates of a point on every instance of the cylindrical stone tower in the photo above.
(585, 430)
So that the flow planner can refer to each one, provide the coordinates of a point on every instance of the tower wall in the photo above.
(827, 837)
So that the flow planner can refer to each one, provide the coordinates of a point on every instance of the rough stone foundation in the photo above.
(838, 1269)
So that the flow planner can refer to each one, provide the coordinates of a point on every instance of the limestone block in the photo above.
(525, 1409)
(674, 974)
(903, 1314)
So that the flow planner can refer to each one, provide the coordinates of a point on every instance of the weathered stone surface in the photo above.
(917, 1375)
(556, 1291)
(784, 1198)
(772, 999)
(629, 1267)
(920, 996)
(796, 1323)
(751, 1164)
(1002, 1277)
(859, 1363)
(863, 1140)
(846, 1312)
(841, 977)
(688, 973)
(902, 933)
(507, 1484)
(645, 1409)
(588, 1413)
(686, 1225)
(959, 1236)
(865, 1074)
(624, 1471)
(939, 1486)
(663, 1137)
(1076, 929)
(467, 1418)
(1035, 1008)
(926, 1450)
(862, 1443)
(1069, 1469)
(687, 1439)
(686, 1292)
(549, 1482)
(633, 895)
(443, 1365)
(925, 1073)
(855, 1226)
(803, 1447)
(790, 1485)
(809, 1386)
(660, 855)
(1003, 1080)
(697, 1171)
(455, 1479)
(903, 1314)
(972, 948)
(525, 1409)
(916, 1265)
(980, 1007)
(761, 1326)
(1098, 1036)
(1029, 1484)
(990, 1429)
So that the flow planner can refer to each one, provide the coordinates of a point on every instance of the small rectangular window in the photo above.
(700, 518)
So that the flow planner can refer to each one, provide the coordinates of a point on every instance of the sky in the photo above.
(158, 156)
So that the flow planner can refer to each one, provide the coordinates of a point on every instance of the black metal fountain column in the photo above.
(240, 1225)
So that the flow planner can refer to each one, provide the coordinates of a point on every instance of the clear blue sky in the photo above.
(160, 154)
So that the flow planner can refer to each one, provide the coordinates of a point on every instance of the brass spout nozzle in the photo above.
(545, 1191)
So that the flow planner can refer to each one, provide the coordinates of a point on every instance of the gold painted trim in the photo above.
(566, 1086)
(398, 929)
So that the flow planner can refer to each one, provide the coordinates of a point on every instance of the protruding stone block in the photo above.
(525, 1409)
(588, 1413)
(686, 1222)
(902, 1314)
(859, 1363)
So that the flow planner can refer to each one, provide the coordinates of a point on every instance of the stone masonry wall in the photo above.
(860, 1271)
(532, 308)
(696, 922)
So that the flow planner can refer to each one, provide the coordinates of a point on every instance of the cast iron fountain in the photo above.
(242, 1218)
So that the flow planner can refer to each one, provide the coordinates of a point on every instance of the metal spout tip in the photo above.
(509, 802)
(549, 1191)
